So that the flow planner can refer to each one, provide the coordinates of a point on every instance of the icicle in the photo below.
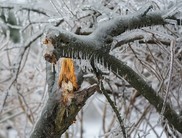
(85, 68)
(110, 70)
(85, 57)
(66, 54)
(69, 53)
(86, 62)
(63, 52)
(6, 15)
(80, 54)
(106, 65)
(77, 54)
(72, 54)
(117, 71)
(52, 67)
(95, 62)
(98, 59)
(102, 60)
(82, 65)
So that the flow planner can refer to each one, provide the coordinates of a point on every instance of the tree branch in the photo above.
(50, 76)
(121, 122)
(56, 118)
(101, 38)
(66, 44)
(122, 70)
(22, 7)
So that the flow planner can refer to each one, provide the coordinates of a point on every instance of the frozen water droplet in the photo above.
(86, 56)
(110, 70)
(117, 71)
(106, 65)
(72, 54)
(63, 52)
(102, 60)
(80, 55)
(68, 54)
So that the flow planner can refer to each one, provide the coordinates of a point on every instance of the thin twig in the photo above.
(104, 118)
(114, 109)
(69, 9)
(81, 123)
(22, 100)
(150, 7)
(142, 117)
(145, 64)
(53, 4)
(160, 74)
(23, 7)
(56, 8)
(170, 76)
(11, 116)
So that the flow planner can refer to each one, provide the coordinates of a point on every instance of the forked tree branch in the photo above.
(61, 43)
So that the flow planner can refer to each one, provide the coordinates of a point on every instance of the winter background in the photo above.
(23, 89)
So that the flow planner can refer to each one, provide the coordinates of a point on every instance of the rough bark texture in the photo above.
(56, 118)
(54, 121)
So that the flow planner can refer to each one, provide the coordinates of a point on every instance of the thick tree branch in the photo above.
(122, 70)
(50, 76)
(56, 118)
(101, 38)
(122, 23)
(66, 44)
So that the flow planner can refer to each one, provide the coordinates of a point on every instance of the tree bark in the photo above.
(56, 117)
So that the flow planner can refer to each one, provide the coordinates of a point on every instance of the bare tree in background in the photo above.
(130, 54)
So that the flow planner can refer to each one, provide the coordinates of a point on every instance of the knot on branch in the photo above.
(50, 58)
